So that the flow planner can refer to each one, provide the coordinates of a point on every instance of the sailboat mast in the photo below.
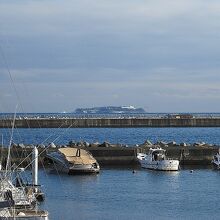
(1, 153)
(10, 143)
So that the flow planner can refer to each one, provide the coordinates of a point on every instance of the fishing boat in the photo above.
(216, 161)
(156, 160)
(73, 161)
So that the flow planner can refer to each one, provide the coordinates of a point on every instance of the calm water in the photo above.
(128, 136)
(120, 194)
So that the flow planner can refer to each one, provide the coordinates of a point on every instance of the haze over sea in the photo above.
(117, 193)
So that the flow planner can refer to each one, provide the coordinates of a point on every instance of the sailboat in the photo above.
(18, 202)
(15, 202)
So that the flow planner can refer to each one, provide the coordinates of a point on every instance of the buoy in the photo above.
(191, 171)
(134, 171)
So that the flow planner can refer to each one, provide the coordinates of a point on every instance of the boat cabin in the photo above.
(157, 154)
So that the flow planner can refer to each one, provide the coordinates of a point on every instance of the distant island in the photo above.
(110, 110)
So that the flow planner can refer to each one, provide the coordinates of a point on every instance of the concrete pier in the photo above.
(123, 156)
(127, 156)
(109, 122)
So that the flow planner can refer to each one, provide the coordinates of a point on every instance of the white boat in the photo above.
(73, 160)
(216, 161)
(156, 160)
(19, 202)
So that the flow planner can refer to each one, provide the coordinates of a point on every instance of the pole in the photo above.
(35, 166)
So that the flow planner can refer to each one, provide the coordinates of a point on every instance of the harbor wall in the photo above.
(109, 122)
(122, 156)
(186, 156)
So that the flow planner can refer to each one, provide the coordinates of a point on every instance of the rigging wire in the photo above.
(41, 151)
(14, 119)
(10, 143)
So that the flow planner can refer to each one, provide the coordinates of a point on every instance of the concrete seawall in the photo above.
(123, 156)
(109, 122)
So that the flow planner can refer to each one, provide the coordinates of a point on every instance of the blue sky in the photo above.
(161, 55)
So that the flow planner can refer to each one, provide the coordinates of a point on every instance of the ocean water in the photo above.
(120, 193)
(130, 136)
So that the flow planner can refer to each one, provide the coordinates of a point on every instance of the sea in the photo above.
(117, 192)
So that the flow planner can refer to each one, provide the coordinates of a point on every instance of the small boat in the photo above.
(156, 160)
(73, 161)
(216, 161)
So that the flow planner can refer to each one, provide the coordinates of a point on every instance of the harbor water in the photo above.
(118, 193)
(121, 194)
(128, 136)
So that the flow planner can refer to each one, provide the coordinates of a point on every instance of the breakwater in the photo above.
(114, 155)
(109, 122)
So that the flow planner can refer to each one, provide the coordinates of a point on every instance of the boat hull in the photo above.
(82, 171)
(64, 166)
(166, 165)
(25, 218)
(26, 215)
(216, 166)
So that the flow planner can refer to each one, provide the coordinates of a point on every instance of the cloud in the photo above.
(111, 34)
(167, 75)
(82, 52)
(84, 16)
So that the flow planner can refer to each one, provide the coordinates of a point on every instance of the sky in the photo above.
(58, 55)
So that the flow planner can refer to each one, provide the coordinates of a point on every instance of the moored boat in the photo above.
(156, 160)
(23, 214)
(73, 161)
(216, 161)
(19, 202)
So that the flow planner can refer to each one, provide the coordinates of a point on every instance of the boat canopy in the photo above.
(157, 150)
(77, 155)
